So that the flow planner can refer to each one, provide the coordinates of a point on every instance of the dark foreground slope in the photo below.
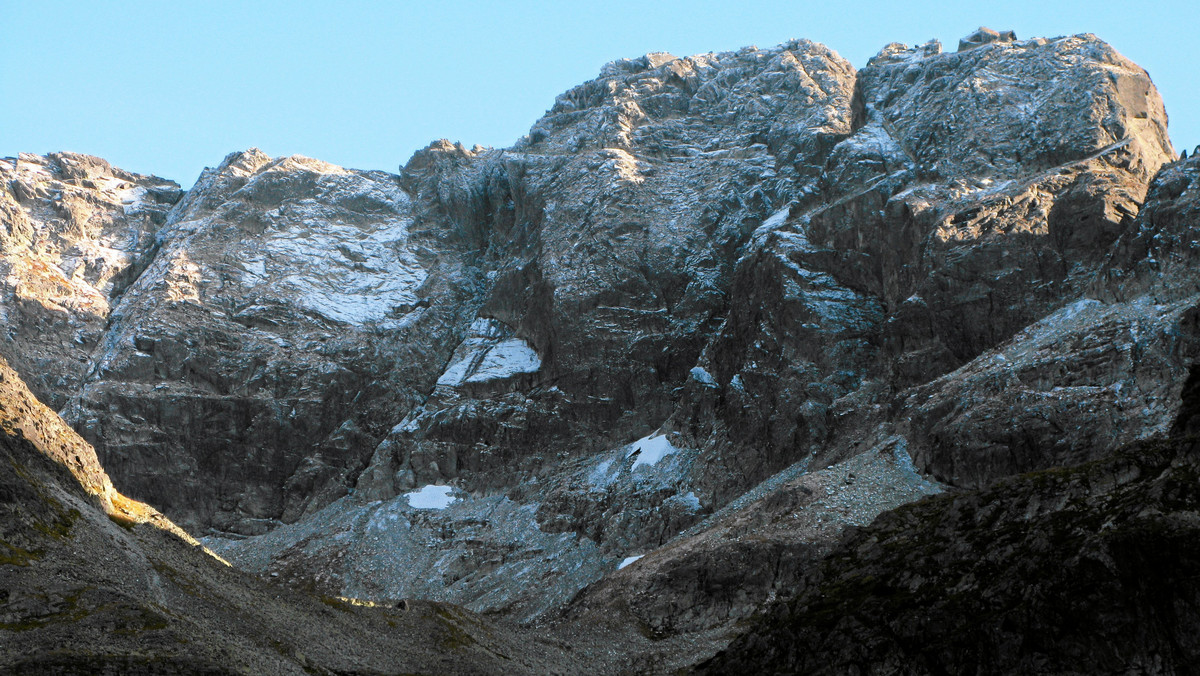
(1086, 570)
(91, 582)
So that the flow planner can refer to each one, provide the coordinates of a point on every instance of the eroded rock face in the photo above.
(1157, 258)
(606, 243)
(940, 204)
(611, 235)
(755, 549)
(255, 363)
(1076, 385)
(1098, 373)
(979, 192)
(92, 582)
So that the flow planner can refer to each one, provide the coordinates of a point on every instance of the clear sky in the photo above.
(171, 87)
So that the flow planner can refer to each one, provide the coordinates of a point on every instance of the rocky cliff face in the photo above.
(291, 309)
(641, 370)
(76, 232)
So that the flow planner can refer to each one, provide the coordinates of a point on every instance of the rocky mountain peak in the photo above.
(985, 36)
(76, 233)
(243, 163)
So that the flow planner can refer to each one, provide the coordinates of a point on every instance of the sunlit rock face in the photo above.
(979, 192)
(75, 232)
(260, 356)
(606, 242)
(708, 313)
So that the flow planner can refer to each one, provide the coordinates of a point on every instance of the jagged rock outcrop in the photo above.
(985, 36)
(608, 238)
(754, 550)
(942, 234)
(614, 229)
(291, 309)
(1157, 258)
(943, 203)
(1088, 378)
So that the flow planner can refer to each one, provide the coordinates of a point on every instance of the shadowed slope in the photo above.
(91, 582)
(1091, 569)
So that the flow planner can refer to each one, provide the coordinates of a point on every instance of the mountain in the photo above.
(677, 359)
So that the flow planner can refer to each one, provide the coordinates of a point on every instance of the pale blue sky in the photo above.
(171, 87)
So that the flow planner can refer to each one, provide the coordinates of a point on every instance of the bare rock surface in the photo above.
(940, 204)
(1081, 570)
(259, 358)
(754, 550)
(937, 238)
(76, 232)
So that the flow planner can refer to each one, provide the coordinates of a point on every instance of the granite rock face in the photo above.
(260, 356)
(645, 367)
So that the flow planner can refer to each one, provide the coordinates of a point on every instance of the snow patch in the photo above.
(703, 377)
(602, 477)
(650, 449)
(777, 219)
(629, 560)
(506, 359)
(456, 373)
(430, 497)
(486, 362)
(690, 500)
(409, 424)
